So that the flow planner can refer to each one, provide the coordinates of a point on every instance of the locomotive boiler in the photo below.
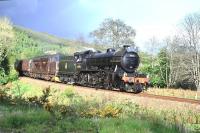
(106, 70)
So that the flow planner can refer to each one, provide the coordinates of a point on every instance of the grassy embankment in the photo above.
(25, 108)
(27, 119)
(190, 94)
(32, 43)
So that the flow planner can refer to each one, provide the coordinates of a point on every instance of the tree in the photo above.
(183, 54)
(6, 37)
(159, 72)
(163, 64)
(114, 32)
(191, 39)
(6, 41)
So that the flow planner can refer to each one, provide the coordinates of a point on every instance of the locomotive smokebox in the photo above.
(129, 58)
(130, 62)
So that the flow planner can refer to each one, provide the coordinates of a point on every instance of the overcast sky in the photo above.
(70, 18)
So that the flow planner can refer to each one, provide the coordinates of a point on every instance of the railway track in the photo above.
(143, 94)
(171, 98)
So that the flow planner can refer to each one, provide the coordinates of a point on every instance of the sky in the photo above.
(71, 18)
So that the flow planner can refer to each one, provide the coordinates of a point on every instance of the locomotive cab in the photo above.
(80, 59)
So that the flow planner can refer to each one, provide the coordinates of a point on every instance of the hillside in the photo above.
(31, 43)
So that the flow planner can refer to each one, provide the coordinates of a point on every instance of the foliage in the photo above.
(24, 115)
(6, 45)
(183, 50)
(6, 37)
(13, 75)
(31, 43)
(68, 116)
(177, 63)
(131, 125)
(3, 77)
(34, 119)
(114, 32)
(65, 106)
(157, 68)
(103, 111)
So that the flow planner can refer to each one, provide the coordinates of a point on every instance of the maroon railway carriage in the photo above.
(50, 67)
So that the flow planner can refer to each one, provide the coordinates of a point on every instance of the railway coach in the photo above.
(56, 67)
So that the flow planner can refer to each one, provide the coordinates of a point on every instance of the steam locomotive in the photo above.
(108, 70)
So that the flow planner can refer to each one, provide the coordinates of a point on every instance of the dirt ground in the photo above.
(116, 96)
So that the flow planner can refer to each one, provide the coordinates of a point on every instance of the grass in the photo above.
(24, 91)
(54, 110)
(17, 117)
(190, 94)
(55, 43)
(34, 119)
(131, 125)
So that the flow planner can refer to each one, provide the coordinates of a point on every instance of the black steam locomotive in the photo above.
(88, 68)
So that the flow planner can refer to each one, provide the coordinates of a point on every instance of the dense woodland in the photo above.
(175, 63)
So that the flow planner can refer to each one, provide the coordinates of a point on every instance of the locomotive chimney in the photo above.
(110, 50)
(126, 46)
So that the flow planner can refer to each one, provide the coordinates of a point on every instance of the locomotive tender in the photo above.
(88, 68)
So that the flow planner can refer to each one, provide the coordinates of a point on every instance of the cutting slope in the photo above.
(31, 43)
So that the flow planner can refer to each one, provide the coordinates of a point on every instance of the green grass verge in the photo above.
(34, 119)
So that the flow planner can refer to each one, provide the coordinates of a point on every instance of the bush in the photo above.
(13, 75)
(3, 77)
(4, 98)
(103, 111)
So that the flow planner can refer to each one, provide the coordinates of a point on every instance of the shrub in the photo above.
(102, 111)
(13, 75)
(3, 77)
(4, 98)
